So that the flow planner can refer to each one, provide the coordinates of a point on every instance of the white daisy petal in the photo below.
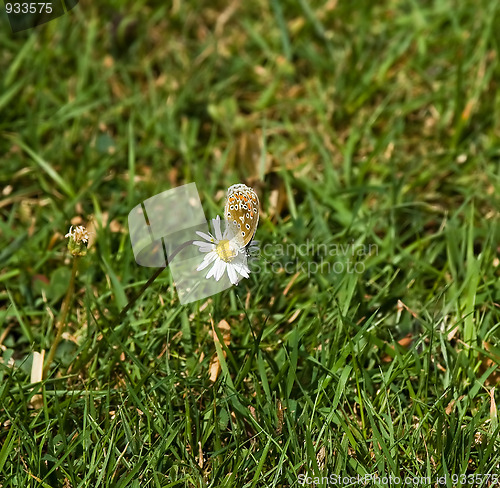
(209, 258)
(203, 243)
(213, 269)
(220, 271)
(205, 246)
(242, 273)
(203, 265)
(207, 237)
(218, 233)
(242, 269)
(206, 249)
(233, 278)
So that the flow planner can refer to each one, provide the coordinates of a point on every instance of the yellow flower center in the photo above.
(225, 252)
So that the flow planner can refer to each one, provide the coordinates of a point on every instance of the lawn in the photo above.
(363, 349)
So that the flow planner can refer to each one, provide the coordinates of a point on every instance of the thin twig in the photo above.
(61, 323)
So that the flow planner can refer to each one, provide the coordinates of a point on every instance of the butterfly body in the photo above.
(242, 212)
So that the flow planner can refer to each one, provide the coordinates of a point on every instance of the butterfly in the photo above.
(242, 212)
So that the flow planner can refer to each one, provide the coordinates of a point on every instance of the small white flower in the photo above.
(79, 234)
(224, 252)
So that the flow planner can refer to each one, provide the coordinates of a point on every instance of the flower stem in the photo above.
(61, 323)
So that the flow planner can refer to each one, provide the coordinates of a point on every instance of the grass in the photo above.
(366, 340)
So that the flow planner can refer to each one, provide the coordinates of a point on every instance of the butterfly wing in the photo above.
(242, 212)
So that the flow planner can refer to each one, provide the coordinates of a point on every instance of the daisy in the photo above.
(224, 252)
